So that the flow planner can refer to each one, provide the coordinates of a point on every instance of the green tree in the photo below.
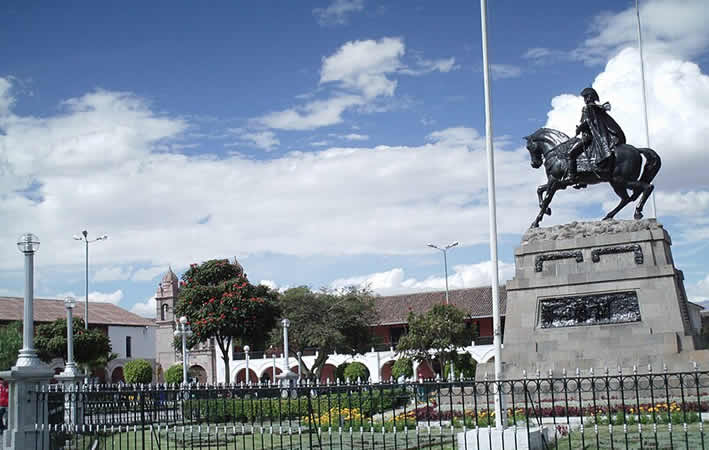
(173, 375)
(138, 371)
(356, 371)
(327, 320)
(220, 303)
(435, 334)
(403, 367)
(91, 347)
(463, 364)
(10, 344)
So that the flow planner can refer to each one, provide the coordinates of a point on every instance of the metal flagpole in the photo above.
(499, 418)
(642, 77)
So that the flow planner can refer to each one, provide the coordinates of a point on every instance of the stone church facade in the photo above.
(201, 360)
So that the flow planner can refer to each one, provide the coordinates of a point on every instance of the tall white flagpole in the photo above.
(492, 208)
(642, 78)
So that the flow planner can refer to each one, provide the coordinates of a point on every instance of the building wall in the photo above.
(142, 341)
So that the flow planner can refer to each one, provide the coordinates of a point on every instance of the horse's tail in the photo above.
(651, 166)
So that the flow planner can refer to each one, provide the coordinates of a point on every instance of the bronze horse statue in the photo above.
(549, 147)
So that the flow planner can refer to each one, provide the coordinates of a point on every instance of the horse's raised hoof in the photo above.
(534, 225)
(548, 212)
(608, 218)
(638, 215)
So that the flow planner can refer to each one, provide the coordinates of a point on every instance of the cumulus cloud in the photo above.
(668, 26)
(146, 308)
(270, 283)
(338, 12)
(394, 281)
(114, 297)
(359, 76)
(356, 137)
(148, 274)
(113, 273)
(364, 66)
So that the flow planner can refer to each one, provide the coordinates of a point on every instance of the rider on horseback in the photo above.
(600, 134)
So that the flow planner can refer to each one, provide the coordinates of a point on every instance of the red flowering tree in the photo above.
(220, 303)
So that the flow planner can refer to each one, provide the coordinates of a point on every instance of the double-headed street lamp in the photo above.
(84, 237)
(184, 330)
(445, 261)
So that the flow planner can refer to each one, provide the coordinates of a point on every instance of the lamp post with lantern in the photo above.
(184, 330)
(70, 369)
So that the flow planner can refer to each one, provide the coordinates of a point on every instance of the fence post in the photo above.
(27, 418)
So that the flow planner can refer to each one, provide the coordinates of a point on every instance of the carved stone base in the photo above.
(598, 295)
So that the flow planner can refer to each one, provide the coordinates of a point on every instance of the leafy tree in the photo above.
(403, 367)
(91, 347)
(327, 320)
(356, 371)
(436, 334)
(173, 375)
(10, 344)
(463, 364)
(220, 303)
(138, 371)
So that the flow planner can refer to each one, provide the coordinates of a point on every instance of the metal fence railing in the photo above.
(559, 411)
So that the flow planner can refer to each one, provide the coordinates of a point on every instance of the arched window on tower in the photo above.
(163, 311)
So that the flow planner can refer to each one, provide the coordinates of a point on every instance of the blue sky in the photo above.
(325, 142)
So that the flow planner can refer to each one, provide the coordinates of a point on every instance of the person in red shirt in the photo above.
(3, 403)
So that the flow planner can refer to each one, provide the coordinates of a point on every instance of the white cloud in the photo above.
(265, 140)
(424, 66)
(312, 115)
(365, 65)
(502, 71)
(148, 274)
(6, 99)
(270, 283)
(113, 273)
(146, 308)
(668, 26)
(394, 281)
(356, 137)
(96, 297)
(338, 11)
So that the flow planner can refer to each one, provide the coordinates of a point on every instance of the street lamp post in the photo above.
(248, 375)
(444, 250)
(28, 244)
(183, 330)
(286, 324)
(84, 237)
(70, 370)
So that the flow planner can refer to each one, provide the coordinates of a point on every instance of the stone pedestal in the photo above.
(597, 295)
(71, 381)
(26, 408)
(535, 438)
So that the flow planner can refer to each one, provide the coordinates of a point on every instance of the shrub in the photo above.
(138, 371)
(356, 371)
(403, 367)
(174, 374)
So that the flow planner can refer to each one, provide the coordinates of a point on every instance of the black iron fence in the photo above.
(559, 411)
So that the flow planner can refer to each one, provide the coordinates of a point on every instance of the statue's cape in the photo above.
(606, 133)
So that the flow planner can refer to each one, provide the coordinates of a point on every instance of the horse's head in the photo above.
(541, 142)
(535, 152)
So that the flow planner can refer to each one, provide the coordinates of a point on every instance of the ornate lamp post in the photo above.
(183, 330)
(248, 375)
(28, 244)
(84, 237)
(287, 376)
(445, 261)
(28, 372)
(70, 370)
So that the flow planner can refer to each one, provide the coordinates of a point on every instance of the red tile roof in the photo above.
(48, 310)
(477, 302)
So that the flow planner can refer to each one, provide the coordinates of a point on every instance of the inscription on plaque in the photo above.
(592, 309)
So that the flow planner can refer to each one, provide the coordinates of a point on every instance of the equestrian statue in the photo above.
(599, 155)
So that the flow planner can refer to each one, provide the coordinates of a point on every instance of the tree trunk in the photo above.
(319, 363)
(223, 344)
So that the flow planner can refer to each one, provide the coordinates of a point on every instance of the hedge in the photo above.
(251, 409)
(138, 371)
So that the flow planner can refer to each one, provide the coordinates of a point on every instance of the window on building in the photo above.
(129, 350)
(395, 333)
(163, 311)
